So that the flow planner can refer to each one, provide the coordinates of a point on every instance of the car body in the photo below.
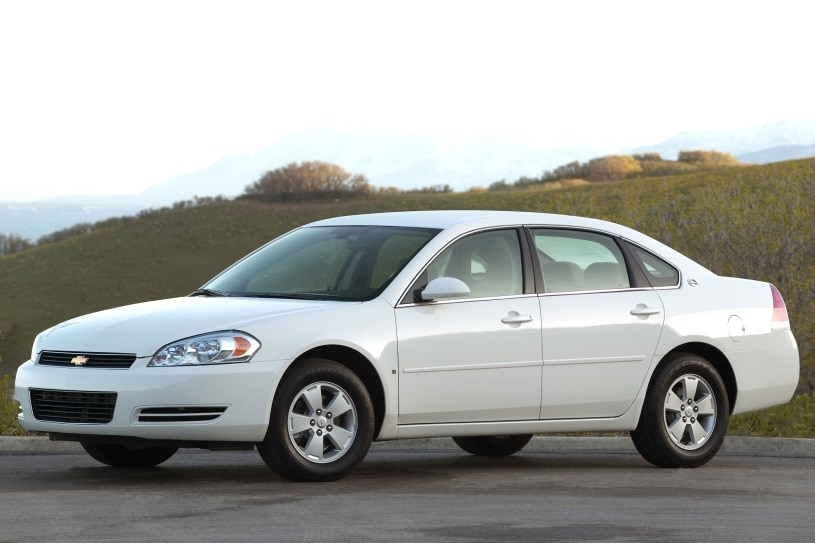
(486, 326)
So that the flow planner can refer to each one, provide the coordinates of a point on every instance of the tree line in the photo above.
(316, 180)
(619, 167)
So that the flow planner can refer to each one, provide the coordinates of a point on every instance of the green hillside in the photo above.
(745, 221)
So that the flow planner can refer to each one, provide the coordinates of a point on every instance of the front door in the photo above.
(477, 358)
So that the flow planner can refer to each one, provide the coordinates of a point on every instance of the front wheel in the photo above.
(120, 456)
(321, 425)
(685, 414)
(492, 445)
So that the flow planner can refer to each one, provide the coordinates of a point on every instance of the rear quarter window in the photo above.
(658, 272)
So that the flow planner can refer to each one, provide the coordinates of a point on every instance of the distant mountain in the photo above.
(774, 142)
(778, 154)
(414, 160)
(387, 159)
(32, 220)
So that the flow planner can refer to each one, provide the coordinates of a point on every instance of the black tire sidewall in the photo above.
(280, 453)
(120, 456)
(493, 445)
(652, 421)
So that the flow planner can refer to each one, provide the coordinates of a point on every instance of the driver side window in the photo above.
(488, 262)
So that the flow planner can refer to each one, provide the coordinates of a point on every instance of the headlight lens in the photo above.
(37, 346)
(216, 348)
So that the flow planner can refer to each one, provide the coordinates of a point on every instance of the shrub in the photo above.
(307, 180)
(9, 425)
(612, 168)
(708, 157)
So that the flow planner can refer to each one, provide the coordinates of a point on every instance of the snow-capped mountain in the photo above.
(774, 142)
(405, 161)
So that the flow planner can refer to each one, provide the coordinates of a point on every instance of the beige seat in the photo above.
(562, 277)
(499, 278)
(604, 276)
(502, 268)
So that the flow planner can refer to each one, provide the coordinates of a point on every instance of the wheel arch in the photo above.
(361, 366)
(715, 357)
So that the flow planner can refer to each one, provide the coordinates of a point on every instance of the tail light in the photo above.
(781, 319)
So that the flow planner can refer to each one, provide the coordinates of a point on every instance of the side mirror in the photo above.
(443, 288)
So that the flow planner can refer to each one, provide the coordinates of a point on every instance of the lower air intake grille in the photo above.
(73, 406)
(180, 414)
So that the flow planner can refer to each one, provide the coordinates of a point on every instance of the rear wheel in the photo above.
(685, 414)
(321, 425)
(120, 456)
(492, 445)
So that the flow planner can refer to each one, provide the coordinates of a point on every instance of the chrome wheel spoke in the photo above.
(677, 430)
(706, 406)
(315, 447)
(689, 422)
(698, 434)
(690, 384)
(341, 437)
(313, 397)
(299, 423)
(323, 422)
(339, 405)
(673, 402)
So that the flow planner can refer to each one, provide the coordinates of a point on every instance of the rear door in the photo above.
(600, 326)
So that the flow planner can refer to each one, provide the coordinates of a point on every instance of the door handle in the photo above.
(515, 318)
(642, 310)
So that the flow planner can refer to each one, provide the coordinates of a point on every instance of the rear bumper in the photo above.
(768, 377)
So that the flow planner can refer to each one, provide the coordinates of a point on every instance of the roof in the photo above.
(444, 219)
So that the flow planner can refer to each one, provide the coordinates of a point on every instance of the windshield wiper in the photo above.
(287, 295)
(209, 292)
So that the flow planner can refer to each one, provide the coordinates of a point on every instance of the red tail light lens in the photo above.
(780, 317)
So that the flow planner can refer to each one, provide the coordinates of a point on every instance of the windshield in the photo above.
(322, 262)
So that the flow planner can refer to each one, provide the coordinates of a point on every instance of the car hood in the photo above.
(146, 327)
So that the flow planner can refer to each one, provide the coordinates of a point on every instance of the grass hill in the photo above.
(744, 221)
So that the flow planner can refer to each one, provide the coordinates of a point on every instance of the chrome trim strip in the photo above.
(495, 366)
(602, 360)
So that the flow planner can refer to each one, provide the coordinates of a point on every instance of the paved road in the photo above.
(398, 494)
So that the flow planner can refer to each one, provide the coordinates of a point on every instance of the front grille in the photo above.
(73, 406)
(180, 414)
(86, 360)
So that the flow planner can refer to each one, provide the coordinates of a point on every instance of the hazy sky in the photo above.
(113, 97)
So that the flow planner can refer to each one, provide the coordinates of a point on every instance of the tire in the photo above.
(120, 456)
(493, 445)
(685, 414)
(321, 425)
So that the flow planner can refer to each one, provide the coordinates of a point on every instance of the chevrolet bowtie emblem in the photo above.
(79, 360)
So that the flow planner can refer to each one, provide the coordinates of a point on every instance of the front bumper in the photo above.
(230, 402)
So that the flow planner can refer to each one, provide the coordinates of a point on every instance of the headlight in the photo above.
(216, 348)
(37, 346)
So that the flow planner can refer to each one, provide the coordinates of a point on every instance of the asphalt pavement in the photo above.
(733, 445)
(558, 489)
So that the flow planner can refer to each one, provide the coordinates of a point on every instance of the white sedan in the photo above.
(485, 326)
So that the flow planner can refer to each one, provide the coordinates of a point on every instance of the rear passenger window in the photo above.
(658, 272)
(574, 261)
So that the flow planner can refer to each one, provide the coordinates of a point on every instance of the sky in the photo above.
(100, 97)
